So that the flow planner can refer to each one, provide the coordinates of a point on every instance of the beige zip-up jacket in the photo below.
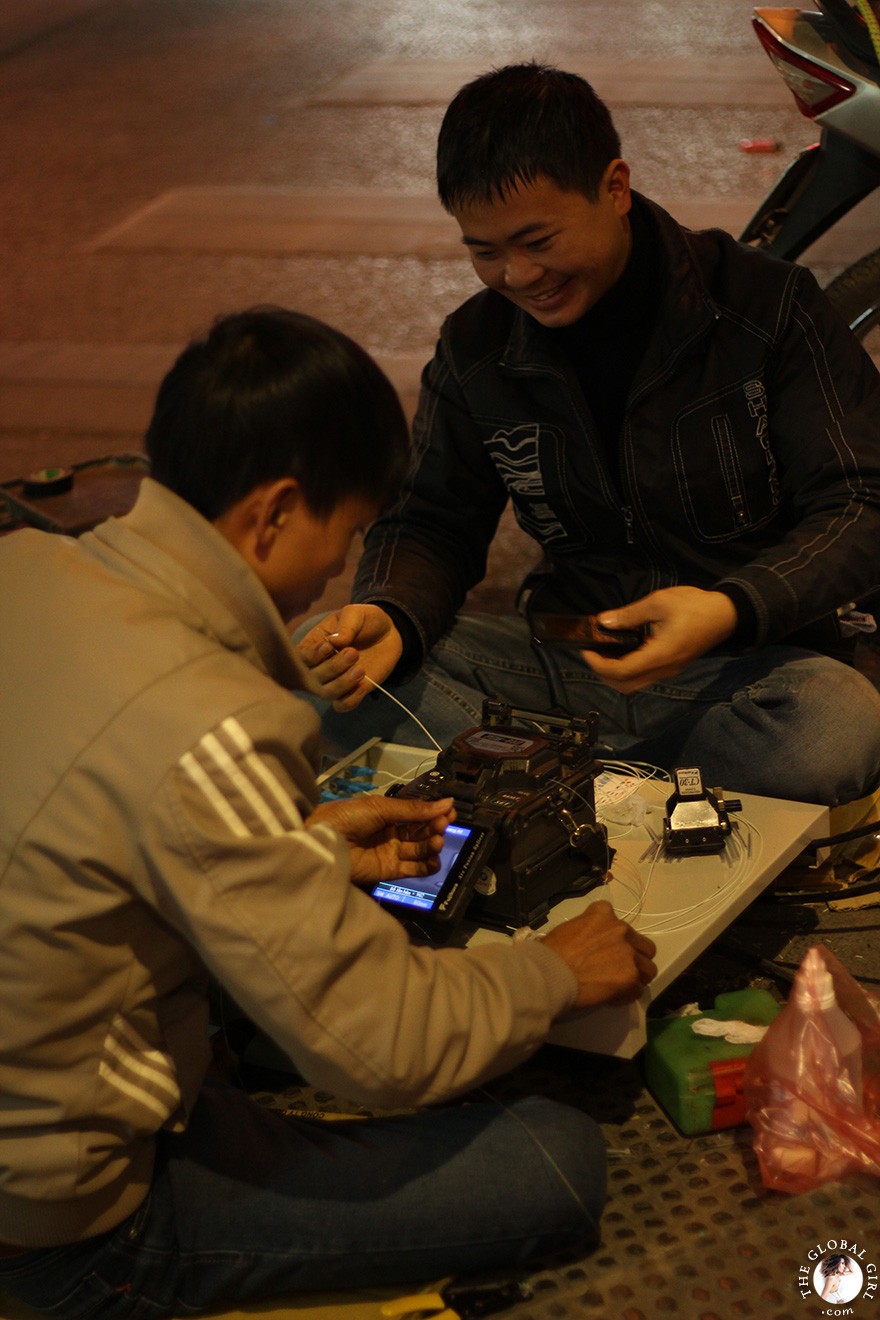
(157, 768)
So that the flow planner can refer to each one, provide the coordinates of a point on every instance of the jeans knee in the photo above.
(807, 729)
(574, 1153)
(840, 754)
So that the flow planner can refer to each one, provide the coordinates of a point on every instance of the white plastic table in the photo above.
(683, 903)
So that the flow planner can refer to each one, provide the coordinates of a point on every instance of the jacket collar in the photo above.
(686, 309)
(180, 554)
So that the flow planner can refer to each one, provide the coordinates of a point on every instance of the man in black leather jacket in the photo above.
(685, 427)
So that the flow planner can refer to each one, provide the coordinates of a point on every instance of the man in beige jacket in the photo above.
(159, 829)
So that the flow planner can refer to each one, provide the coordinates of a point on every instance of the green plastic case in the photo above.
(699, 1079)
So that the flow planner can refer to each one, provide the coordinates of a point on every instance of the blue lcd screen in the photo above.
(421, 892)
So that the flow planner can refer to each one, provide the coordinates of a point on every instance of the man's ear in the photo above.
(615, 181)
(253, 524)
(275, 504)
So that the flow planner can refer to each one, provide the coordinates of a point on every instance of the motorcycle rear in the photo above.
(830, 61)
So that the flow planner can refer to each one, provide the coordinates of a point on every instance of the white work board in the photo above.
(683, 903)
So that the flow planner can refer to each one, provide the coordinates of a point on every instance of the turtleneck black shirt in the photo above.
(607, 344)
(605, 349)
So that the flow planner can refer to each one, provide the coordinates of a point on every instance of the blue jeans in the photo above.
(781, 722)
(247, 1205)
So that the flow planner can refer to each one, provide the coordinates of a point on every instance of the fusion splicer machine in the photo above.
(525, 833)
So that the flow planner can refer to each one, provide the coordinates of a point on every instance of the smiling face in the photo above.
(553, 253)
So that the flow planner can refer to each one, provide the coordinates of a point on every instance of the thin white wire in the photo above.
(694, 910)
(737, 858)
(389, 776)
(405, 709)
(391, 697)
(640, 772)
(640, 769)
(625, 876)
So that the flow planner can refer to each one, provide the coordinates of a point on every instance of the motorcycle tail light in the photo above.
(814, 87)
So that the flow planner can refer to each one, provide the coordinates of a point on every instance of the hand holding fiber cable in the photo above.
(350, 652)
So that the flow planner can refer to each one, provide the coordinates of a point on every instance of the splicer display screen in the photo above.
(421, 893)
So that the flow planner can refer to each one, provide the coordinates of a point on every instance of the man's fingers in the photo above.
(647, 969)
(400, 810)
(427, 866)
(643, 944)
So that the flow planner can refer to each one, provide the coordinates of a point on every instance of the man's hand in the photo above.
(348, 649)
(684, 623)
(388, 837)
(611, 961)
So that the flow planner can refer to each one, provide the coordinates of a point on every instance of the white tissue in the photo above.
(738, 1033)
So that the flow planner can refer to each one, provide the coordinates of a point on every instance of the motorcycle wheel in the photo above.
(856, 293)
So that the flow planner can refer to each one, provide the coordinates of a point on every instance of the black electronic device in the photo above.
(443, 895)
(697, 819)
(585, 633)
(526, 780)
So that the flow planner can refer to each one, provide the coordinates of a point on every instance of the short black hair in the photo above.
(269, 393)
(513, 125)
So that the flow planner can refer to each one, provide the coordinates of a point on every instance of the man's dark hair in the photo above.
(270, 393)
(516, 124)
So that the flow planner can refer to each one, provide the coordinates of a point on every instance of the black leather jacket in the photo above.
(749, 457)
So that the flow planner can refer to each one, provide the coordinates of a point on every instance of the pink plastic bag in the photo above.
(812, 1085)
